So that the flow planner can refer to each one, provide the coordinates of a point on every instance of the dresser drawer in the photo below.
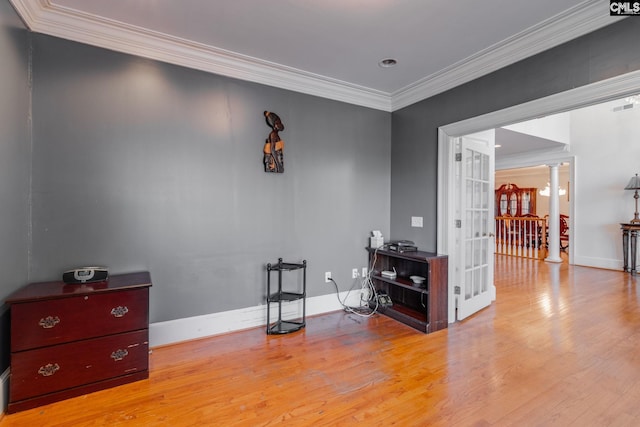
(42, 323)
(45, 370)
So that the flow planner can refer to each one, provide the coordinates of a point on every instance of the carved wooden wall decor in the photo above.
(274, 147)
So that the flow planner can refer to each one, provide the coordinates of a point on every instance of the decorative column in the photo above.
(554, 216)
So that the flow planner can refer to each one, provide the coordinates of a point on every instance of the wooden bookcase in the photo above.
(423, 307)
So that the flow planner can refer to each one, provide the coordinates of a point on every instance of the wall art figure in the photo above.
(274, 147)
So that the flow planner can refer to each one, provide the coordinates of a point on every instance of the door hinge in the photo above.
(458, 157)
(458, 223)
(456, 290)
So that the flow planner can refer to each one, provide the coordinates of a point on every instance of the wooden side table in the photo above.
(630, 245)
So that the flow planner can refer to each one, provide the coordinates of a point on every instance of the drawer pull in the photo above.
(48, 369)
(119, 311)
(49, 322)
(119, 354)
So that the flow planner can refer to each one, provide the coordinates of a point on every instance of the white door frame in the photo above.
(602, 91)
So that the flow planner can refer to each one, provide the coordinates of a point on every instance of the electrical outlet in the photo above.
(354, 273)
(327, 276)
(416, 221)
(364, 271)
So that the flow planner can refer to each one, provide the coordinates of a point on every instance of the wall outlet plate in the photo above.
(327, 276)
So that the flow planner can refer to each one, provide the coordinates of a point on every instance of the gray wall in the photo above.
(143, 165)
(14, 163)
(608, 52)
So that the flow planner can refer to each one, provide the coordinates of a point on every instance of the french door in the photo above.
(474, 227)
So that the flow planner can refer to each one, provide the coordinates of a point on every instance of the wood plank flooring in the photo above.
(560, 346)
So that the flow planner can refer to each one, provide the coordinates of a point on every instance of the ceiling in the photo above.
(328, 48)
(512, 143)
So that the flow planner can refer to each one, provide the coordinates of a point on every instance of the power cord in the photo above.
(367, 288)
(364, 310)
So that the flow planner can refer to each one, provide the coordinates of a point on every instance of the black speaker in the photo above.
(86, 275)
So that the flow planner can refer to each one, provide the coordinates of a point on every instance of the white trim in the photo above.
(173, 331)
(4, 391)
(45, 17)
(595, 93)
(42, 16)
(582, 19)
(606, 263)
(533, 158)
(445, 237)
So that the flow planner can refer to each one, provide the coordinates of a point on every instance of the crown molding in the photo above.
(580, 20)
(595, 93)
(44, 17)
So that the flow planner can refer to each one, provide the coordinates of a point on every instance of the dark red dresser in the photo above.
(68, 340)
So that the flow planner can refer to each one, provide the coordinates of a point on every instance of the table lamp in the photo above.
(634, 184)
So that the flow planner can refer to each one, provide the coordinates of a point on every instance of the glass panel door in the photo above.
(477, 187)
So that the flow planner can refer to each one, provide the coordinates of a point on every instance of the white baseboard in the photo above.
(173, 331)
(4, 391)
(606, 263)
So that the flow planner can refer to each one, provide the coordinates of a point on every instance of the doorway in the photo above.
(606, 90)
(528, 189)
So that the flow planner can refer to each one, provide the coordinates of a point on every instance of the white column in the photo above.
(554, 216)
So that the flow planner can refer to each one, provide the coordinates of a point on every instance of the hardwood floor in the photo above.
(558, 347)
